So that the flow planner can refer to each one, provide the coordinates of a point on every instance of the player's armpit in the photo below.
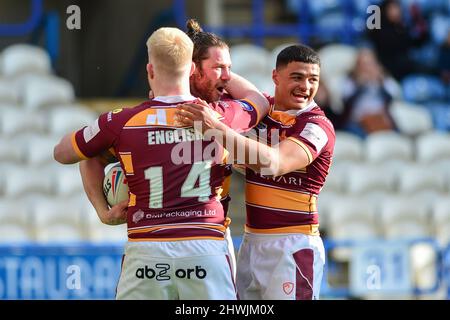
(107, 157)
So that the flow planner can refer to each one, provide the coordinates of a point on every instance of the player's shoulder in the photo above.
(228, 104)
(125, 113)
(317, 116)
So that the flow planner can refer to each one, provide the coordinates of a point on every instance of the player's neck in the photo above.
(171, 90)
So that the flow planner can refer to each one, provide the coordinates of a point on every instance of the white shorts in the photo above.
(176, 270)
(231, 253)
(280, 267)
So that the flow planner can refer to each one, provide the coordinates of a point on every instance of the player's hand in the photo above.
(117, 214)
(197, 115)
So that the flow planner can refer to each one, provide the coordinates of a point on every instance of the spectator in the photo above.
(394, 39)
(367, 94)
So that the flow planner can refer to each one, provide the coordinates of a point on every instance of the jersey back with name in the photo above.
(174, 176)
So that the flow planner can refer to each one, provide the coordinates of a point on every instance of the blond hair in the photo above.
(170, 51)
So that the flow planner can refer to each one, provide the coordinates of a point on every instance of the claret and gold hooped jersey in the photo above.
(174, 175)
(288, 203)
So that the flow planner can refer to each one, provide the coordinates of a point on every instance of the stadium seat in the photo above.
(56, 220)
(11, 233)
(65, 119)
(383, 146)
(443, 169)
(421, 88)
(351, 218)
(94, 230)
(21, 180)
(325, 202)
(336, 178)
(23, 58)
(410, 119)
(416, 178)
(14, 221)
(39, 149)
(439, 28)
(433, 146)
(348, 147)
(441, 220)
(440, 112)
(275, 51)
(66, 179)
(12, 211)
(8, 92)
(330, 54)
(10, 153)
(404, 217)
(15, 121)
(262, 81)
(248, 58)
(363, 178)
(46, 91)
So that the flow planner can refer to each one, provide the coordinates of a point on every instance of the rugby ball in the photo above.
(115, 186)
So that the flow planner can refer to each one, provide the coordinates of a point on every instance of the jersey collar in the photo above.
(175, 99)
(295, 112)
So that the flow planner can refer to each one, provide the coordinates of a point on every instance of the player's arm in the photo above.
(65, 152)
(287, 156)
(240, 88)
(92, 174)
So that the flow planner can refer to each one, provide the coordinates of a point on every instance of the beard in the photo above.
(204, 88)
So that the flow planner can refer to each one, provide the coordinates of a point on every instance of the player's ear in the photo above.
(150, 71)
(192, 69)
(275, 76)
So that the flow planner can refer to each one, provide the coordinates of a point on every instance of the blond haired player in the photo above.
(282, 254)
(176, 224)
(209, 82)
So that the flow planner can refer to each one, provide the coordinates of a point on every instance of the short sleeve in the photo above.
(313, 136)
(240, 115)
(98, 137)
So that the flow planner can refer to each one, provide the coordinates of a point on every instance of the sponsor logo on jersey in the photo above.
(316, 135)
(159, 272)
(138, 216)
(288, 287)
(91, 131)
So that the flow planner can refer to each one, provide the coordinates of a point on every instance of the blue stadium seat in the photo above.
(440, 112)
(427, 55)
(440, 26)
(319, 8)
(427, 6)
(422, 88)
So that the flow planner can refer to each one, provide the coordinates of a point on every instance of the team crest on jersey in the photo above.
(246, 106)
(288, 287)
(138, 216)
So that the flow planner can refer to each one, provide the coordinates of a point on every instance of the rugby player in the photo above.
(176, 225)
(282, 254)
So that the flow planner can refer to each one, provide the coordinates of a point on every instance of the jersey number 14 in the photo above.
(200, 171)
